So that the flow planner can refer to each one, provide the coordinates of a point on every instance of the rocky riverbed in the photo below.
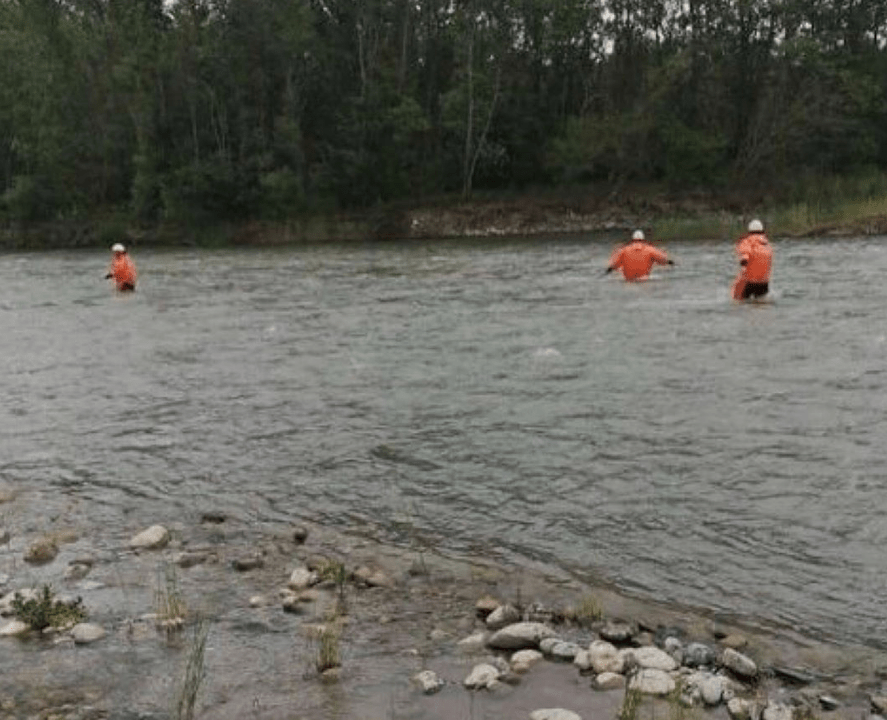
(226, 618)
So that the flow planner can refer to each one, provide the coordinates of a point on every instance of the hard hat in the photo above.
(755, 226)
(117, 247)
(637, 235)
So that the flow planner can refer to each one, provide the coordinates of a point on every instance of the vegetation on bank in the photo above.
(302, 119)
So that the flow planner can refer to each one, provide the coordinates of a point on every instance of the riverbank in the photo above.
(236, 619)
(665, 216)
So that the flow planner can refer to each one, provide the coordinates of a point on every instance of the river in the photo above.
(496, 398)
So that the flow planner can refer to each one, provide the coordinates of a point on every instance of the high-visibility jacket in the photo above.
(636, 259)
(123, 271)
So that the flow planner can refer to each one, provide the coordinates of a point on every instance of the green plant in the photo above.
(328, 655)
(194, 674)
(45, 610)
(631, 703)
(588, 610)
(335, 572)
(169, 603)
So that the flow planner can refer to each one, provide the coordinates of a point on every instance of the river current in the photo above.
(503, 398)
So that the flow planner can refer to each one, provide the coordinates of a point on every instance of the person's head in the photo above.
(118, 249)
(756, 226)
(637, 235)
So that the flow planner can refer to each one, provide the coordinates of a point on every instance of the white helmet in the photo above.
(637, 235)
(755, 226)
(117, 248)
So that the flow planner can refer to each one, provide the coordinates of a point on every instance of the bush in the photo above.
(46, 610)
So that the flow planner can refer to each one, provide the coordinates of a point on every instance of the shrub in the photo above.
(45, 610)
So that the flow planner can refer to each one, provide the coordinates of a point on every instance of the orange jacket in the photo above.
(123, 270)
(636, 259)
(755, 257)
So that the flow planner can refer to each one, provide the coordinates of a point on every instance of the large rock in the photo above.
(502, 616)
(154, 538)
(739, 663)
(652, 682)
(605, 657)
(14, 628)
(85, 633)
(650, 657)
(520, 635)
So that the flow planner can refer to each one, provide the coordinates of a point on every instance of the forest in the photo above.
(196, 111)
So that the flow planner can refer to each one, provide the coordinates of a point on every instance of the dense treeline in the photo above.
(234, 109)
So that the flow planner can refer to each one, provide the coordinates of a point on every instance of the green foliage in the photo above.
(588, 610)
(47, 611)
(631, 703)
(328, 652)
(193, 675)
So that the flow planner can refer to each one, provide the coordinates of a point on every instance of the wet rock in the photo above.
(652, 682)
(482, 676)
(712, 690)
(879, 704)
(258, 601)
(474, 643)
(213, 517)
(796, 676)
(41, 551)
(520, 635)
(828, 703)
(741, 709)
(245, 563)
(292, 603)
(582, 661)
(565, 651)
(300, 534)
(675, 648)
(14, 628)
(154, 538)
(739, 663)
(485, 605)
(617, 631)
(554, 714)
(372, 577)
(502, 616)
(523, 660)
(605, 657)
(649, 657)
(428, 682)
(85, 633)
(608, 681)
(190, 559)
(699, 655)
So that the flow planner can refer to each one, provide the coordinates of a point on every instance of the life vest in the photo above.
(636, 259)
(756, 256)
(123, 271)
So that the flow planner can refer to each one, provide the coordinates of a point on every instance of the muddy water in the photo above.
(504, 400)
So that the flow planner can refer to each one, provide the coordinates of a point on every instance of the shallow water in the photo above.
(504, 399)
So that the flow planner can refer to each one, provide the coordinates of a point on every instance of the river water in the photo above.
(504, 399)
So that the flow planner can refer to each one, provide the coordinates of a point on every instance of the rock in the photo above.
(502, 616)
(740, 709)
(699, 655)
(675, 648)
(300, 534)
(245, 563)
(827, 702)
(605, 657)
(617, 631)
(582, 661)
(546, 645)
(302, 578)
(739, 663)
(41, 551)
(520, 635)
(190, 559)
(85, 633)
(372, 577)
(565, 651)
(554, 714)
(428, 682)
(650, 657)
(474, 643)
(608, 681)
(879, 704)
(734, 641)
(76, 571)
(523, 660)
(154, 538)
(485, 605)
(712, 690)
(482, 676)
(213, 517)
(796, 676)
(257, 601)
(777, 711)
(4, 536)
(651, 681)
(14, 628)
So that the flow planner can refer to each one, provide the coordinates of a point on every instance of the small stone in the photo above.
(608, 681)
(617, 631)
(520, 635)
(14, 628)
(155, 537)
(734, 641)
(302, 578)
(474, 643)
(85, 633)
(739, 663)
(502, 616)
(300, 534)
(485, 605)
(482, 676)
(827, 702)
(523, 660)
(652, 682)
(213, 517)
(248, 562)
(428, 682)
(554, 714)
